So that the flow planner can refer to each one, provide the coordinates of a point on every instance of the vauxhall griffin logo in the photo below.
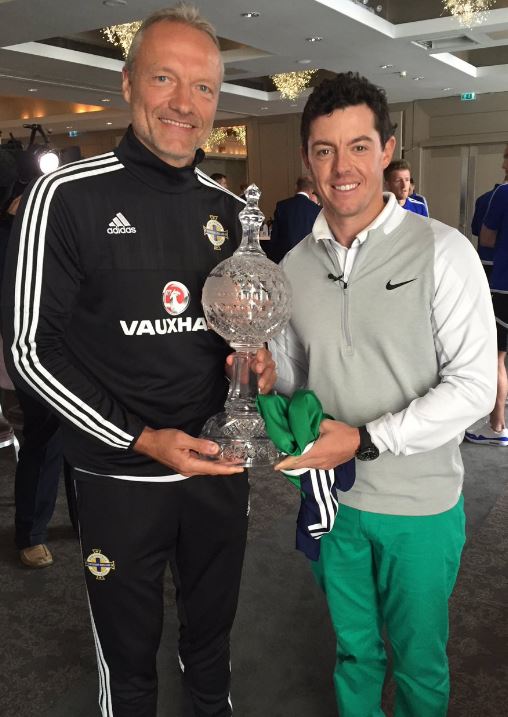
(175, 298)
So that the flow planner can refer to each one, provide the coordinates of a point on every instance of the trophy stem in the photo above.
(239, 430)
(243, 389)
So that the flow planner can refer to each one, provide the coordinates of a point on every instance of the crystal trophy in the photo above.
(246, 300)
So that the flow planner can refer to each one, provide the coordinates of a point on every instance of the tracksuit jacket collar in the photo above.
(149, 169)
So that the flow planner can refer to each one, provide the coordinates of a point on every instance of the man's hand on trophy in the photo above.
(337, 443)
(261, 364)
(179, 451)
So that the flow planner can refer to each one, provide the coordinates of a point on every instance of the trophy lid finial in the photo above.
(252, 194)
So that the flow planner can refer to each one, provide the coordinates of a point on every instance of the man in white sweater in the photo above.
(393, 328)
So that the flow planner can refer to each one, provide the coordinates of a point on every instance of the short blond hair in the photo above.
(181, 13)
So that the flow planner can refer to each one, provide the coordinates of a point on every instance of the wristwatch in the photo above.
(367, 451)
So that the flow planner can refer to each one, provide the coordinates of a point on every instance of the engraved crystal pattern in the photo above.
(247, 300)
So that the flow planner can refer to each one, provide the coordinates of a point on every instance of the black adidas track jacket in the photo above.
(102, 315)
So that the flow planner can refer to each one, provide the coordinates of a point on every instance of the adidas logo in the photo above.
(120, 225)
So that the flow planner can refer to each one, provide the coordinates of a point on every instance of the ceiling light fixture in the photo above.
(385, 67)
(105, 99)
(32, 89)
(109, 123)
(122, 35)
(252, 13)
(418, 78)
(292, 84)
(366, 4)
(313, 39)
(469, 12)
(114, 3)
(219, 135)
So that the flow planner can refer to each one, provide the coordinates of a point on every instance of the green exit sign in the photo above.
(468, 96)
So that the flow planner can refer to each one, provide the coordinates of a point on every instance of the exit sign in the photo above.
(468, 96)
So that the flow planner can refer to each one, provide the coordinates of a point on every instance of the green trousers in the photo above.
(394, 571)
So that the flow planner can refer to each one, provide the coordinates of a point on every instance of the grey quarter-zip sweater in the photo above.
(404, 342)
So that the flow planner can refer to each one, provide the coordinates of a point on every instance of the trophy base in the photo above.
(241, 438)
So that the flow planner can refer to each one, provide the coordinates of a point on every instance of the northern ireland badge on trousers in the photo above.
(215, 232)
(98, 564)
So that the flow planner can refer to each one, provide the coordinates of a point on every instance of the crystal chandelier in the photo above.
(292, 84)
(468, 12)
(216, 137)
(219, 135)
(122, 35)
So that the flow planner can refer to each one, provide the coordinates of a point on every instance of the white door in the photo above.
(453, 178)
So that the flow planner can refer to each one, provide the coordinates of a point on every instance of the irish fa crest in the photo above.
(98, 564)
(215, 232)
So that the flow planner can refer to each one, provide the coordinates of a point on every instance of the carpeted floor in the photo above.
(283, 648)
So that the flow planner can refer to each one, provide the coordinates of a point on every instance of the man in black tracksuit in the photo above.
(102, 305)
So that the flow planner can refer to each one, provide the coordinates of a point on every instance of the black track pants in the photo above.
(129, 532)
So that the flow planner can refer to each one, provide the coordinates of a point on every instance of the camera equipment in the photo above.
(37, 159)
(18, 166)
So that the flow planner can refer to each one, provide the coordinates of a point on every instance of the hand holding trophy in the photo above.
(247, 300)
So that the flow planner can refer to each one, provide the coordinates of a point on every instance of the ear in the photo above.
(126, 85)
(388, 151)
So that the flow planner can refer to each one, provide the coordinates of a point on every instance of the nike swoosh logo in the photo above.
(391, 286)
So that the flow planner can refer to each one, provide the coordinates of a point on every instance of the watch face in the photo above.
(368, 454)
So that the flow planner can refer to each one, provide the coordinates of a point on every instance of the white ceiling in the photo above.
(353, 39)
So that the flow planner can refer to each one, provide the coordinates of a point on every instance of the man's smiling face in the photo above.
(173, 90)
(346, 159)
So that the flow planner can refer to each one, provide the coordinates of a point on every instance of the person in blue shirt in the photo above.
(481, 206)
(397, 180)
(417, 197)
(494, 235)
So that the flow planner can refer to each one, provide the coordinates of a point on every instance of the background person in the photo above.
(417, 197)
(480, 209)
(108, 330)
(398, 181)
(293, 219)
(220, 179)
(402, 351)
(494, 235)
(40, 457)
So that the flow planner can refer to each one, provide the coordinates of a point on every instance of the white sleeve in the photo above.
(466, 348)
(290, 360)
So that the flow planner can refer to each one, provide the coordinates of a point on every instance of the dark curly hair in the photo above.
(345, 90)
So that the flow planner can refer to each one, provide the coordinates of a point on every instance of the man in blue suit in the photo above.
(293, 220)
